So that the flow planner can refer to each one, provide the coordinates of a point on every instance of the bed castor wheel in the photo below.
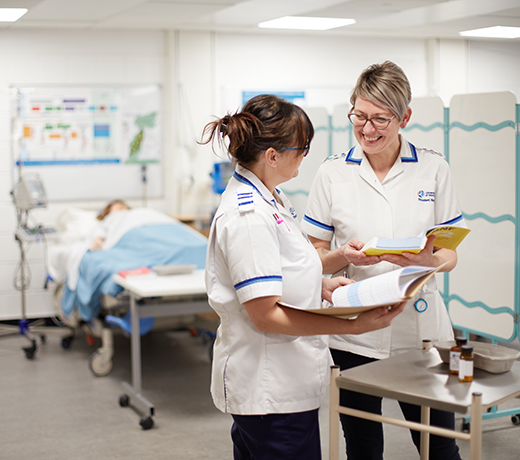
(30, 351)
(146, 423)
(66, 342)
(100, 363)
(465, 427)
(515, 419)
(43, 338)
(124, 401)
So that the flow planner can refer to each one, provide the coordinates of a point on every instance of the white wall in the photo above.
(202, 75)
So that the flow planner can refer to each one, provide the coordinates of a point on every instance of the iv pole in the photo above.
(23, 202)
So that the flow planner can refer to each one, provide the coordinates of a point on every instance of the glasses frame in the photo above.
(305, 150)
(389, 120)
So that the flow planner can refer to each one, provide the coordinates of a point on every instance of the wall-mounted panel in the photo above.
(90, 143)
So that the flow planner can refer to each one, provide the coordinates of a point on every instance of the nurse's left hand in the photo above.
(423, 258)
(328, 286)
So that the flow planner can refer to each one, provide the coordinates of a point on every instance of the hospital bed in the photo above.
(86, 294)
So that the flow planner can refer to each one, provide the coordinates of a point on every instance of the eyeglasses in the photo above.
(305, 150)
(359, 121)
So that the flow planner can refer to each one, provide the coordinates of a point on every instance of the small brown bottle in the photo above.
(466, 364)
(455, 354)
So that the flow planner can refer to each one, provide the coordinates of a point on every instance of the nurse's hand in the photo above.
(352, 252)
(424, 258)
(328, 286)
(378, 318)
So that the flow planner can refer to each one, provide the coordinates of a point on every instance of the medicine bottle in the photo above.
(466, 364)
(455, 354)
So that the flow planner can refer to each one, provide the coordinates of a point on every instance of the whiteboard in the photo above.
(89, 143)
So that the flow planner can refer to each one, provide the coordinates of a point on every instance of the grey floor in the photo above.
(53, 408)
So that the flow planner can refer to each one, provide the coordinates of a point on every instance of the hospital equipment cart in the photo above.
(420, 377)
(165, 296)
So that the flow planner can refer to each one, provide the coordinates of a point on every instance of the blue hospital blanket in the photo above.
(163, 244)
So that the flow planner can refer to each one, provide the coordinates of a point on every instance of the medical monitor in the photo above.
(29, 192)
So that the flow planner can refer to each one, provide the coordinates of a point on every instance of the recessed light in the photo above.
(306, 23)
(11, 14)
(493, 32)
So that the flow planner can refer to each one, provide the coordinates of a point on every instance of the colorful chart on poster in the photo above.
(88, 125)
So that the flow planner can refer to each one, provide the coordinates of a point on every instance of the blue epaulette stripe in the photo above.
(318, 224)
(452, 221)
(351, 160)
(413, 158)
(245, 202)
(260, 279)
(242, 179)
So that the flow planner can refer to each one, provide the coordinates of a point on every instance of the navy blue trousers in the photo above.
(364, 438)
(277, 436)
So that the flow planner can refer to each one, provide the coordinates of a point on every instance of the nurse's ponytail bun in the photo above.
(265, 121)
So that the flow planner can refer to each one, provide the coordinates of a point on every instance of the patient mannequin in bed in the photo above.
(82, 232)
(106, 223)
(117, 218)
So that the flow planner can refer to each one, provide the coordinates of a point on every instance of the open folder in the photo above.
(446, 236)
(386, 289)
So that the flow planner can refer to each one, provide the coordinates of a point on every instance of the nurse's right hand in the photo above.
(352, 252)
(378, 318)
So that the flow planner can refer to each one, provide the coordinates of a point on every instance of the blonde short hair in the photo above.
(384, 85)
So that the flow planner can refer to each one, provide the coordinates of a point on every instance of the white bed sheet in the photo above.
(79, 227)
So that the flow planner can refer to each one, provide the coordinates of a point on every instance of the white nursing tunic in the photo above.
(257, 249)
(348, 201)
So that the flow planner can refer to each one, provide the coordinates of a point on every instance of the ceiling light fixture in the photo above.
(306, 23)
(11, 14)
(493, 32)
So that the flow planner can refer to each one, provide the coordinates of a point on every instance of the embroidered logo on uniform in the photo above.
(426, 196)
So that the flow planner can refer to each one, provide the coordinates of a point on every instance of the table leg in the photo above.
(475, 442)
(134, 391)
(425, 436)
(136, 345)
(334, 414)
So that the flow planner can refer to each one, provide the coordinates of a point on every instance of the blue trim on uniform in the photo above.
(348, 159)
(246, 181)
(413, 158)
(312, 221)
(259, 279)
(452, 221)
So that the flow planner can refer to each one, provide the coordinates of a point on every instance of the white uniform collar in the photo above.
(247, 177)
(408, 153)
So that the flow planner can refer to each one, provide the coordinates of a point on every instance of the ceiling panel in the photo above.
(78, 10)
(392, 18)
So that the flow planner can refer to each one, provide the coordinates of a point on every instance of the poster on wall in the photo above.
(80, 136)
